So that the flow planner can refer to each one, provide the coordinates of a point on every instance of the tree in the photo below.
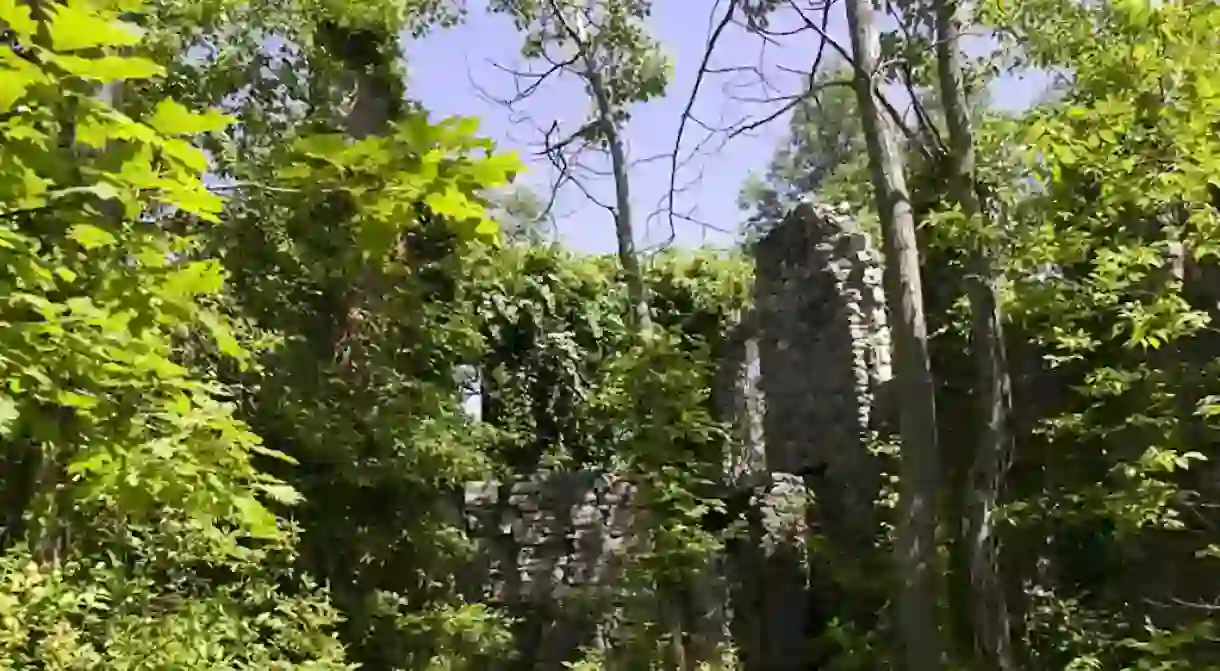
(822, 157)
(1129, 220)
(332, 248)
(125, 468)
(915, 546)
(375, 423)
(994, 449)
(603, 43)
(236, 290)
(147, 168)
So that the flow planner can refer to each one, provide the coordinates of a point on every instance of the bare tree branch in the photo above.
(922, 138)
(891, 111)
(713, 39)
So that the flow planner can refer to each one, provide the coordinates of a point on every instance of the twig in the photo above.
(713, 39)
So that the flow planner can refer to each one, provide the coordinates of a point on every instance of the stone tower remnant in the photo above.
(800, 380)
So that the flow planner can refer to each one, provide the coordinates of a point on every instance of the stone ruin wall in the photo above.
(800, 381)
(553, 547)
(824, 350)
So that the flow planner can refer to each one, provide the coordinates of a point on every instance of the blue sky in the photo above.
(452, 71)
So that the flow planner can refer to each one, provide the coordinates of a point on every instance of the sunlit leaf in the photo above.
(91, 237)
(109, 68)
(172, 118)
(257, 520)
(9, 414)
(73, 28)
(281, 493)
(453, 203)
(15, 14)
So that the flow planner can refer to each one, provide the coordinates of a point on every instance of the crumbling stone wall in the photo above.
(553, 546)
(738, 400)
(555, 552)
(769, 577)
(825, 355)
(800, 379)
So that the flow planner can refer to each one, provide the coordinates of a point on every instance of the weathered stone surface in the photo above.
(799, 380)
(823, 346)
(737, 399)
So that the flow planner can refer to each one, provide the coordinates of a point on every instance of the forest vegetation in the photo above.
(249, 286)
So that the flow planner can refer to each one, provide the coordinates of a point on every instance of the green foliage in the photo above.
(1124, 198)
(822, 158)
(161, 599)
(125, 343)
(383, 180)
(210, 406)
(97, 286)
(1105, 201)
(560, 355)
(137, 535)
(611, 44)
(376, 426)
(563, 379)
(1105, 227)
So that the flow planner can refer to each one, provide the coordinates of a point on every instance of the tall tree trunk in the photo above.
(993, 452)
(624, 232)
(577, 29)
(366, 108)
(920, 468)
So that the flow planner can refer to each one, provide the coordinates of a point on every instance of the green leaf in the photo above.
(195, 200)
(185, 153)
(93, 133)
(74, 399)
(222, 335)
(12, 87)
(195, 279)
(172, 118)
(282, 493)
(9, 414)
(73, 28)
(90, 463)
(497, 169)
(104, 190)
(325, 146)
(257, 520)
(16, 15)
(109, 68)
(91, 237)
(487, 228)
(1066, 154)
(16, 77)
(452, 203)
(138, 171)
(464, 125)
(294, 171)
(19, 131)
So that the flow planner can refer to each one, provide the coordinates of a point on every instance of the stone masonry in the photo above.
(824, 350)
(552, 547)
(799, 381)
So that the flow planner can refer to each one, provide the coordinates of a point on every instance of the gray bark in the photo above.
(920, 460)
(623, 229)
(993, 452)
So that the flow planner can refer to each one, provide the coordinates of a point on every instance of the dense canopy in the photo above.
(291, 375)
